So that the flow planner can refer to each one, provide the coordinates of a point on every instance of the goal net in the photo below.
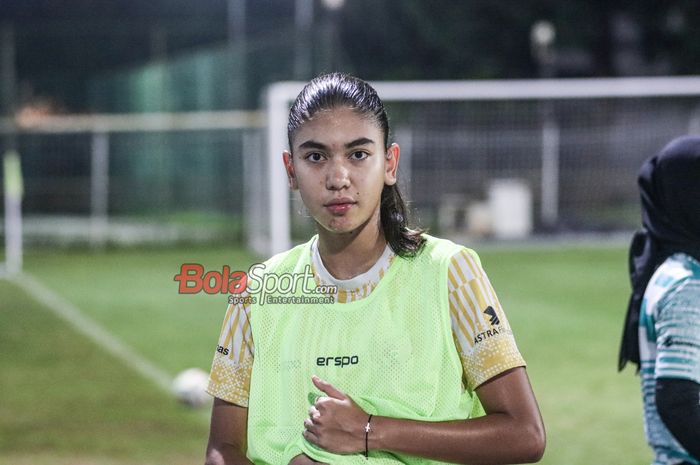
(559, 156)
(125, 179)
(563, 154)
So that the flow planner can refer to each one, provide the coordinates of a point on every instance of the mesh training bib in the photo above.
(393, 352)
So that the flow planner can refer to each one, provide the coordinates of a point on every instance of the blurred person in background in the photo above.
(662, 327)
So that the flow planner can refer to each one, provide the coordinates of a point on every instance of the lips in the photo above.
(340, 206)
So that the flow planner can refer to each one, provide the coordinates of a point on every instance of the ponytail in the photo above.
(403, 241)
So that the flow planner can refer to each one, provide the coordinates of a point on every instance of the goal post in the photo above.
(13, 190)
(551, 131)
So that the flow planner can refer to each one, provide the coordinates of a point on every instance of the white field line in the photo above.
(91, 329)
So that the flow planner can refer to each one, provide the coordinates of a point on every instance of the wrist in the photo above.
(375, 439)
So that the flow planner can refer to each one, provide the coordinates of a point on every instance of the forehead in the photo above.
(337, 126)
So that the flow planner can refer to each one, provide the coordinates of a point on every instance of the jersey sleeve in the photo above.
(678, 333)
(233, 359)
(482, 335)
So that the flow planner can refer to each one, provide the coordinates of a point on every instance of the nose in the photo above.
(338, 176)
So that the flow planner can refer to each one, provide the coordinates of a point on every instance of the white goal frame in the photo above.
(278, 98)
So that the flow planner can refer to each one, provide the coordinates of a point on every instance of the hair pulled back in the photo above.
(336, 90)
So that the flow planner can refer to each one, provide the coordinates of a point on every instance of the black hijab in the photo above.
(669, 184)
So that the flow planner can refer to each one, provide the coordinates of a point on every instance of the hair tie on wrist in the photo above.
(368, 428)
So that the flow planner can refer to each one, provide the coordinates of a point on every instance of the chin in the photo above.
(336, 227)
(342, 224)
(340, 230)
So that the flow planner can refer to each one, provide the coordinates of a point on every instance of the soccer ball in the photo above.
(189, 387)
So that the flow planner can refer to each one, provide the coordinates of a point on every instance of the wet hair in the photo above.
(338, 90)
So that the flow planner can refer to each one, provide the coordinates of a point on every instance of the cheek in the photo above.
(307, 178)
(373, 184)
(307, 187)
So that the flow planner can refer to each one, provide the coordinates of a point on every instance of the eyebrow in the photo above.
(312, 144)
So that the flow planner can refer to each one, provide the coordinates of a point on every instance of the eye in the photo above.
(359, 155)
(314, 157)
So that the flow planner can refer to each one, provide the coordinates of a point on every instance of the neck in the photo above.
(346, 255)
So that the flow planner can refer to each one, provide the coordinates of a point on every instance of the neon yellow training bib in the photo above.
(393, 352)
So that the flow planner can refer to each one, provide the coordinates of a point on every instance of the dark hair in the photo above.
(336, 90)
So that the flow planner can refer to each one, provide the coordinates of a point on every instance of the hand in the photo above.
(303, 459)
(336, 423)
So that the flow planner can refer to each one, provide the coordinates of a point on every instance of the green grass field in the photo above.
(63, 400)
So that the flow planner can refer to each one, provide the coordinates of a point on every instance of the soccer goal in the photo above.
(575, 146)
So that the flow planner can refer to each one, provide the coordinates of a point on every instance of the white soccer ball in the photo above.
(189, 387)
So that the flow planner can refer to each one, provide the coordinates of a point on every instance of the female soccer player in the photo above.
(662, 329)
(413, 361)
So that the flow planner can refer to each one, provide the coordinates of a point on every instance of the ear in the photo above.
(391, 164)
(289, 167)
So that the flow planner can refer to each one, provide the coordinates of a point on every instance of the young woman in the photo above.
(662, 328)
(414, 362)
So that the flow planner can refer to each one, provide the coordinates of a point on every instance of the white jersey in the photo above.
(669, 345)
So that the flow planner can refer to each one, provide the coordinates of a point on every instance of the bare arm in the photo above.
(227, 435)
(511, 432)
